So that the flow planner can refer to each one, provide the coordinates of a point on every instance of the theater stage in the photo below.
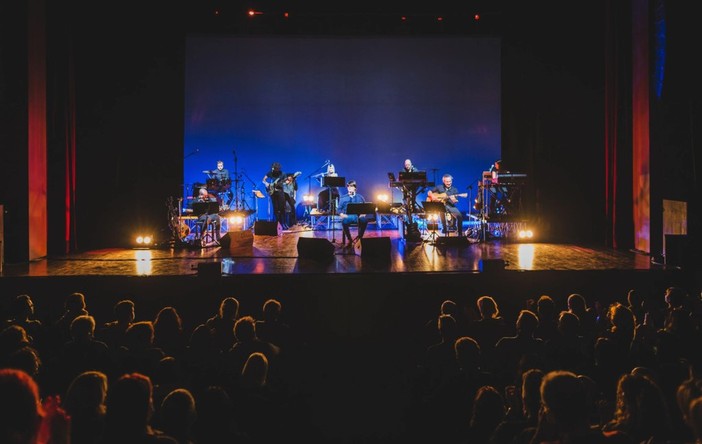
(304, 263)
(307, 251)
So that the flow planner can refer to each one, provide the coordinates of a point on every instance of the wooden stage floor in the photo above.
(279, 255)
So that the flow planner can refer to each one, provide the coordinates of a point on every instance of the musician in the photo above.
(204, 220)
(273, 180)
(409, 191)
(448, 194)
(220, 173)
(347, 219)
(218, 181)
(290, 191)
(328, 193)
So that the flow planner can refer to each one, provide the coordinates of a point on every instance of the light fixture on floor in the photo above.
(525, 235)
(143, 241)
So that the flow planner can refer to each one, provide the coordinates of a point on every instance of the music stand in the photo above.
(207, 209)
(330, 182)
(435, 208)
(359, 208)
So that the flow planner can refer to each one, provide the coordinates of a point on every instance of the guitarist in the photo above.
(273, 180)
(448, 194)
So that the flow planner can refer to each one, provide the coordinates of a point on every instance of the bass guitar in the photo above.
(443, 197)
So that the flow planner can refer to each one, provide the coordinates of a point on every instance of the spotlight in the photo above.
(382, 197)
(144, 241)
(525, 234)
(236, 220)
(308, 199)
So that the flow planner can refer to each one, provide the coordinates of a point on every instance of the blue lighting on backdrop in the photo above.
(363, 103)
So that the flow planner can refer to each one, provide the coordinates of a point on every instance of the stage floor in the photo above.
(279, 255)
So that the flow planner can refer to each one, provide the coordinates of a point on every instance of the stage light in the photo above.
(476, 17)
(236, 220)
(308, 199)
(382, 197)
(144, 241)
(525, 234)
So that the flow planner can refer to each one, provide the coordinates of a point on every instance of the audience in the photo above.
(630, 375)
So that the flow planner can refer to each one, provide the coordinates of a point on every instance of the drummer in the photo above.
(220, 184)
(221, 173)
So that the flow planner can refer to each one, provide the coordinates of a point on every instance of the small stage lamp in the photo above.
(144, 241)
(382, 197)
(525, 234)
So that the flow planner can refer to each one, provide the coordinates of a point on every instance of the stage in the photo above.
(279, 254)
(305, 263)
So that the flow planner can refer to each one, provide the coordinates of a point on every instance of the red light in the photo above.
(251, 12)
(286, 15)
(476, 17)
(439, 19)
(403, 18)
(216, 12)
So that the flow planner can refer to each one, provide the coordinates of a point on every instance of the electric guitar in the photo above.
(442, 197)
(271, 187)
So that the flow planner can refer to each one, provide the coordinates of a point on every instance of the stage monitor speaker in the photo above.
(375, 249)
(266, 228)
(237, 239)
(317, 249)
(492, 265)
(678, 251)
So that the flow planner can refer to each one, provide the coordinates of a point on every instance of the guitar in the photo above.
(271, 187)
(442, 197)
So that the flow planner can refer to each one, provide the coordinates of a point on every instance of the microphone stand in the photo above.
(255, 187)
(237, 179)
(309, 183)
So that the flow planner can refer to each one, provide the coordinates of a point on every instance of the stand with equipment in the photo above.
(359, 209)
(238, 201)
(437, 208)
(331, 181)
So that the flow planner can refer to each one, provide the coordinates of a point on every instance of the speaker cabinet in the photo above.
(375, 249)
(315, 248)
(678, 252)
(266, 228)
(237, 239)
